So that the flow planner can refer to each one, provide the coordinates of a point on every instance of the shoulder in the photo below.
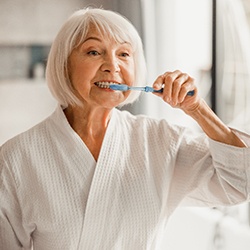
(22, 143)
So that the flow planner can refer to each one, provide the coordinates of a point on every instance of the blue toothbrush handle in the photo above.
(150, 89)
(190, 93)
(123, 87)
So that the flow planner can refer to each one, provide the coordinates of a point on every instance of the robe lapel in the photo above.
(105, 181)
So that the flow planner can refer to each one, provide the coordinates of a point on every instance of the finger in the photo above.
(186, 87)
(179, 83)
(169, 79)
(158, 84)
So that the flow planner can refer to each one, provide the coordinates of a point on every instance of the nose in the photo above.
(110, 64)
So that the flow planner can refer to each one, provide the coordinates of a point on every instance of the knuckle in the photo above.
(178, 83)
(178, 71)
(191, 79)
(169, 78)
(185, 86)
(165, 98)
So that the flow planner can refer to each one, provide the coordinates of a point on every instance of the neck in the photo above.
(90, 125)
(88, 121)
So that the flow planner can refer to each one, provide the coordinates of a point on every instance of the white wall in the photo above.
(177, 36)
(33, 21)
(23, 103)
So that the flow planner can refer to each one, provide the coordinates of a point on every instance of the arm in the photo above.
(176, 86)
(11, 229)
(213, 126)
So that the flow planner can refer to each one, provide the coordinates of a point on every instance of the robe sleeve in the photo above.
(243, 136)
(12, 233)
(209, 173)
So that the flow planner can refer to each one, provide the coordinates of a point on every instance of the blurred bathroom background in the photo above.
(209, 39)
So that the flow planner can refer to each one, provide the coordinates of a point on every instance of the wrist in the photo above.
(195, 110)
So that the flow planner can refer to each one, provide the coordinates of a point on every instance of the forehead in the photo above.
(95, 37)
(105, 33)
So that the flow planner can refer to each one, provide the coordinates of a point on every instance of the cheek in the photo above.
(82, 74)
(132, 70)
(80, 68)
(129, 74)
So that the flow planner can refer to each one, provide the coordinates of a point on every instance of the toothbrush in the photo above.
(123, 87)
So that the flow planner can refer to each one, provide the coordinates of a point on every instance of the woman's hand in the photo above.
(176, 86)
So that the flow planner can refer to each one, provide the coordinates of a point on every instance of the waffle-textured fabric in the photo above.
(55, 196)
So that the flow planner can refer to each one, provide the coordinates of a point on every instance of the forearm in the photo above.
(213, 126)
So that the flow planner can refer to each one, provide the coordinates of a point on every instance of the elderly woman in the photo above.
(93, 177)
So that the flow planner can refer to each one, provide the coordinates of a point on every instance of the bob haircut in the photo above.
(73, 33)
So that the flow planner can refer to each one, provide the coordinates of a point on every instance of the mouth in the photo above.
(104, 85)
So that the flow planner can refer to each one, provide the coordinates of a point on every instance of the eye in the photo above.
(93, 53)
(125, 54)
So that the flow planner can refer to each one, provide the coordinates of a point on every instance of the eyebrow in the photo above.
(99, 40)
(92, 38)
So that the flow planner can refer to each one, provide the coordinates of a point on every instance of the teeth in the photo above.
(104, 85)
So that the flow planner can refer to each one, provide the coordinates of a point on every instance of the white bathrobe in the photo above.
(55, 196)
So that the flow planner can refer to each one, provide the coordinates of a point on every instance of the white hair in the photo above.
(73, 33)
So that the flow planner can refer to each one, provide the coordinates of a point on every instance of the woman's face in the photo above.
(99, 61)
